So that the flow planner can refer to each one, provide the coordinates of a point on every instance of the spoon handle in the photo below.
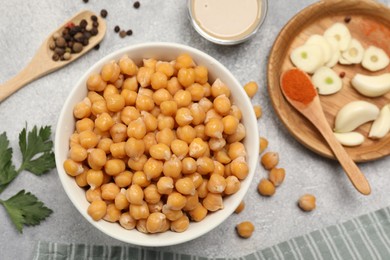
(353, 172)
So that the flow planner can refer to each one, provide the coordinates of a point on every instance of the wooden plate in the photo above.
(370, 24)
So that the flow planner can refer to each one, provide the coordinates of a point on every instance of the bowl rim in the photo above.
(250, 115)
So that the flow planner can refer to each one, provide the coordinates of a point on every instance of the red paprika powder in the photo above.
(297, 86)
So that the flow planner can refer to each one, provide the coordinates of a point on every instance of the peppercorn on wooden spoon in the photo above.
(301, 94)
(42, 62)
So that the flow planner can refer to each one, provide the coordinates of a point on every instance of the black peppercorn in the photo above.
(136, 5)
(117, 29)
(87, 35)
(85, 1)
(94, 18)
(129, 32)
(95, 24)
(97, 46)
(55, 57)
(103, 13)
(94, 31)
(85, 42)
(347, 19)
(83, 23)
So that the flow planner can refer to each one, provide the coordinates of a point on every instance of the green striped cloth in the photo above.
(365, 237)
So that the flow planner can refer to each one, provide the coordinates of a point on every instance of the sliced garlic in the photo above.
(354, 114)
(344, 61)
(381, 125)
(335, 52)
(307, 57)
(371, 86)
(350, 138)
(341, 33)
(327, 81)
(375, 59)
(354, 53)
(320, 40)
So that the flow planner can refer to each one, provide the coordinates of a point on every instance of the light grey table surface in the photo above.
(24, 25)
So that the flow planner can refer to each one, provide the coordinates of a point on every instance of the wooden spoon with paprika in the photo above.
(42, 62)
(300, 93)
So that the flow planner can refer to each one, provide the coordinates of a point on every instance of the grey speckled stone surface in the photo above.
(24, 25)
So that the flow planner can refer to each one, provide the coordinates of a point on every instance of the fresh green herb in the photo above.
(25, 209)
(36, 148)
(37, 143)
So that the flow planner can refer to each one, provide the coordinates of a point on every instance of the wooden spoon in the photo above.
(310, 107)
(42, 62)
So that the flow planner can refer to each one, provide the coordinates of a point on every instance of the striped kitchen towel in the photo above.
(365, 237)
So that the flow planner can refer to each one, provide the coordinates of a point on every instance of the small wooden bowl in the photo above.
(370, 24)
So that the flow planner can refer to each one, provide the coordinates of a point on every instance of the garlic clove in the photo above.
(341, 33)
(354, 53)
(371, 86)
(375, 59)
(350, 138)
(334, 59)
(327, 81)
(320, 40)
(354, 114)
(381, 125)
(307, 57)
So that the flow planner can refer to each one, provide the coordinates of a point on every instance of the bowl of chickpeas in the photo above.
(156, 144)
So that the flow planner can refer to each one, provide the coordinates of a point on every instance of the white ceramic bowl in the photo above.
(160, 51)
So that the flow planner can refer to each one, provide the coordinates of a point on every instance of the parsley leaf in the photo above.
(25, 209)
(7, 169)
(36, 148)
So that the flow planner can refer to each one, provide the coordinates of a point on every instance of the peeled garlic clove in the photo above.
(355, 114)
(354, 53)
(307, 57)
(350, 138)
(320, 40)
(381, 125)
(335, 52)
(344, 61)
(327, 81)
(341, 33)
(371, 86)
(375, 59)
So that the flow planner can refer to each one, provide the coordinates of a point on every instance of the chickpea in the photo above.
(88, 139)
(276, 176)
(168, 107)
(144, 76)
(238, 135)
(139, 177)
(123, 179)
(137, 164)
(176, 201)
(263, 144)
(105, 144)
(207, 89)
(92, 195)
(185, 186)
(159, 80)
(84, 124)
(200, 132)
(141, 226)
(217, 144)
(97, 209)
(128, 66)
(233, 184)
(266, 188)
(201, 74)
(222, 156)
(307, 202)
(134, 148)
(139, 211)
(165, 122)
(96, 83)
(198, 114)
(230, 124)
(239, 168)
(121, 201)
(186, 133)
(212, 114)
(214, 128)
(109, 191)
(202, 189)
(165, 67)
(216, 183)
(110, 72)
(155, 222)
(128, 114)
(136, 129)
(197, 91)
(258, 111)
(205, 165)
(251, 88)
(183, 116)
(149, 141)
(171, 215)
(118, 150)
(179, 148)
(127, 221)
(240, 207)
(181, 224)
(236, 112)
(104, 122)
(129, 96)
(189, 165)
(82, 109)
(198, 213)
(81, 179)
(144, 102)
(97, 158)
(245, 229)
(270, 160)
(197, 148)
(213, 202)
(165, 136)
(153, 168)
(184, 61)
(98, 107)
(173, 167)
(135, 194)
(183, 98)
(219, 88)
(192, 202)
(173, 86)
(130, 84)
(156, 207)
(114, 167)
(115, 102)
(78, 153)
(151, 194)
(219, 168)
(165, 185)
(160, 151)
(150, 121)
(236, 150)
(118, 132)
(205, 104)
(112, 214)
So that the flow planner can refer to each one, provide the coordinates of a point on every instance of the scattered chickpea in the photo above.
(266, 188)
(270, 160)
(258, 111)
(276, 176)
(245, 229)
(251, 89)
(263, 144)
(307, 202)
(240, 207)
